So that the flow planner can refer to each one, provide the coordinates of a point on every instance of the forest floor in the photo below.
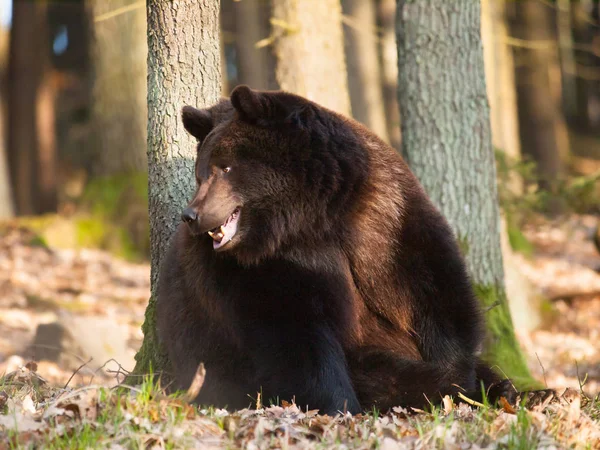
(58, 307)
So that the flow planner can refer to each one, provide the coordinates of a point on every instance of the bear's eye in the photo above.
(226, 169)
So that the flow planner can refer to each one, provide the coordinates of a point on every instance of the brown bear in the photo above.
(311, 266)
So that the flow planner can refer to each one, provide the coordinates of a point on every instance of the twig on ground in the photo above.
(585, 380)
(126, 386)
(470, 401)
(121, 369)
(76, 371)
(543, 370)
(75, 393)
(196, 385)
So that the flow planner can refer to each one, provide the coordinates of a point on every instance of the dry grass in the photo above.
(35, 415)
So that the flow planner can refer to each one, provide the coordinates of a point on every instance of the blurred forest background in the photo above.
(74, 236)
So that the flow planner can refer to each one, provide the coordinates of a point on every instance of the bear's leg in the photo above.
(227, 375)
(383, 380)
(189, 340)
(305, 362)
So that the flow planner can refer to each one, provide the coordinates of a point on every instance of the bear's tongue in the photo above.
(223, 234)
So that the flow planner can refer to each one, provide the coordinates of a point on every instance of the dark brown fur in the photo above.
(344, 286)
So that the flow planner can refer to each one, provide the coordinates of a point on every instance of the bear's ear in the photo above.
(197, 122)
(249, 104)
(265, 108)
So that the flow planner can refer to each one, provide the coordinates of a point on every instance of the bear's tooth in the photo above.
(211, 234)
(222, 230)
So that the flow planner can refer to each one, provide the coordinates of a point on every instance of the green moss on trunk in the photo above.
(150, 359)
(502, 349)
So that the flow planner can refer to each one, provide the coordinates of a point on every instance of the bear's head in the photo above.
(273, 170)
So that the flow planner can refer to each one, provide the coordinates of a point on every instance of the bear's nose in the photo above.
(189, 215)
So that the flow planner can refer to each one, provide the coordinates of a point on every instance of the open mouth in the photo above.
(222, 234)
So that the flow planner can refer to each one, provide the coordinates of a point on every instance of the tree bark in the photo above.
(31, 131)
(446, 139)
(183, 69)
(540, 116)
(310, 51)
(118, 106)
(389, 64)
(364, 74)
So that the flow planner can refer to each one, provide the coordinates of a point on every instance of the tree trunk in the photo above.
(446, 139)
(250, 28)
(230, 72)
(183, 69)
(564, 28)
(118, 107)
(310, 51)
(389, 63)
(31, 130)
(6, 200)
(364, 74)
(6, 205)
(585, 117)
(540, 115)
(594, 104)
(500, 78)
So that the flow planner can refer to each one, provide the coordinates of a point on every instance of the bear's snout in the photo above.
(189, 215)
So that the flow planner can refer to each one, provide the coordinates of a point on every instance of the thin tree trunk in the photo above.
(446, 139)
(6, 204)
(183, 69)
(31, 132)
(539, 112)
(118, 110)
(364, 74)
(310, 51)
(567, 57)
(585, 116)
(228, 41)
(594, 104)
(23, 78)
(500, 78)
(45, 120)
(389, 64)
(6, 199)
(252, 62)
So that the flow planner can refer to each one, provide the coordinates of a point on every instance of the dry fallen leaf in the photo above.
(506, 406)
(27, 405)
(448, 404)
(20, 422)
